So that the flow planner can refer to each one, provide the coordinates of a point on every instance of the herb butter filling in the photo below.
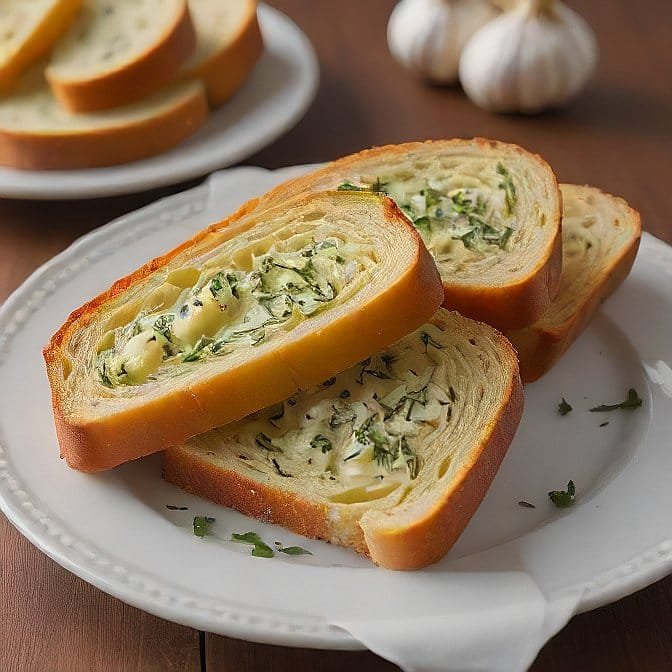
(362, 428)
(477, 219)
(228, 308)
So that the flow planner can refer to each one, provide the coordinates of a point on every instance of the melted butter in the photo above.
(360, 430)
(460, 224)
(227, 308)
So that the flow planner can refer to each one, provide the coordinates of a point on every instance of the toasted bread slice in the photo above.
(392, 458)
(600, 238)
(228, 45)
(489, 212)
(239, 317)
(37, 134)
(117, 53)
(29, 30)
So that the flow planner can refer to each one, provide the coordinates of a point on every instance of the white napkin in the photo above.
(488, 621)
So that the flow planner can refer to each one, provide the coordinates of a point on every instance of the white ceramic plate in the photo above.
(277, 94)
(114, 530)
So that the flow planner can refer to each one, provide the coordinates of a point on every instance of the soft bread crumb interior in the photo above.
(107, 35)
(339, 445)
(482, 212)
(595, 229)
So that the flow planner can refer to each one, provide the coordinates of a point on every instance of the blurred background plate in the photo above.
(279, 91)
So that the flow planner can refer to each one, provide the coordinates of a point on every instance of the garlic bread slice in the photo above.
(118, 52)
(489, 212)
(600, 239)
(241, 316)
(36, 133)
(28, 30)
(391, 457)
(228, 45)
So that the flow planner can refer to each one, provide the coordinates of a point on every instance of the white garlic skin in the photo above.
(529, 59)
(427, 36)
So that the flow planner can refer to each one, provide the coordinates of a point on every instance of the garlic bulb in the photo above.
(539, 55)
(427, 36)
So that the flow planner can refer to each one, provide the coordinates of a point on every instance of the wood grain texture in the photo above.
(617, 136)
(51, 621)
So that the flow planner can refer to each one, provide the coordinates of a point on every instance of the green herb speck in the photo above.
(633, 401)
(563, 498)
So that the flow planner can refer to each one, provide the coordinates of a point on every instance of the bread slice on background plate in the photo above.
(488, 211)
(28, 30)
(36, 133)
(228, 45)
(600, 239)
(390, 458)
(241, 316)
(118, 52)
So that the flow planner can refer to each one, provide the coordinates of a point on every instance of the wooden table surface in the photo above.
(617, 136)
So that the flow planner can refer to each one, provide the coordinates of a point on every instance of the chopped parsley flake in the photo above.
(563, 498)
(321, 442)
(294, 550)
(564, 407)
(260, 550)
(264, 441)
(202, 525)
(280, 471)
(509, 188)
(197, 351)
(428, 340)
(377, 187)
(633, 401)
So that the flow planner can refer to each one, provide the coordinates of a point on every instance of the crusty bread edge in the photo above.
(109, 146)
(227, 69)
(188, 471)
(102, 443)
(511, 306)
(52, 26)
(150, 71)
(540, 347)
(408, 546)
(429, 537)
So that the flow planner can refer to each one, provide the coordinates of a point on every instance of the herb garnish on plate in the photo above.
(633, 401)
(563, 498)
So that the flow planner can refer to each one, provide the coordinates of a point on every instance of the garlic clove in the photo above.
(427, 36)
(539, 55)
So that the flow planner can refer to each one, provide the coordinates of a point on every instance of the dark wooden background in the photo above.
(617, 136)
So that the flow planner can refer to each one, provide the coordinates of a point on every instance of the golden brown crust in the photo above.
(104, 147)
(148, 73)
(253, 498)
(102, 443)
(434, 532)
(506, 306)
(227, 69)
(52, 26)
(514, 305)
(540, 346)
(397, 538)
